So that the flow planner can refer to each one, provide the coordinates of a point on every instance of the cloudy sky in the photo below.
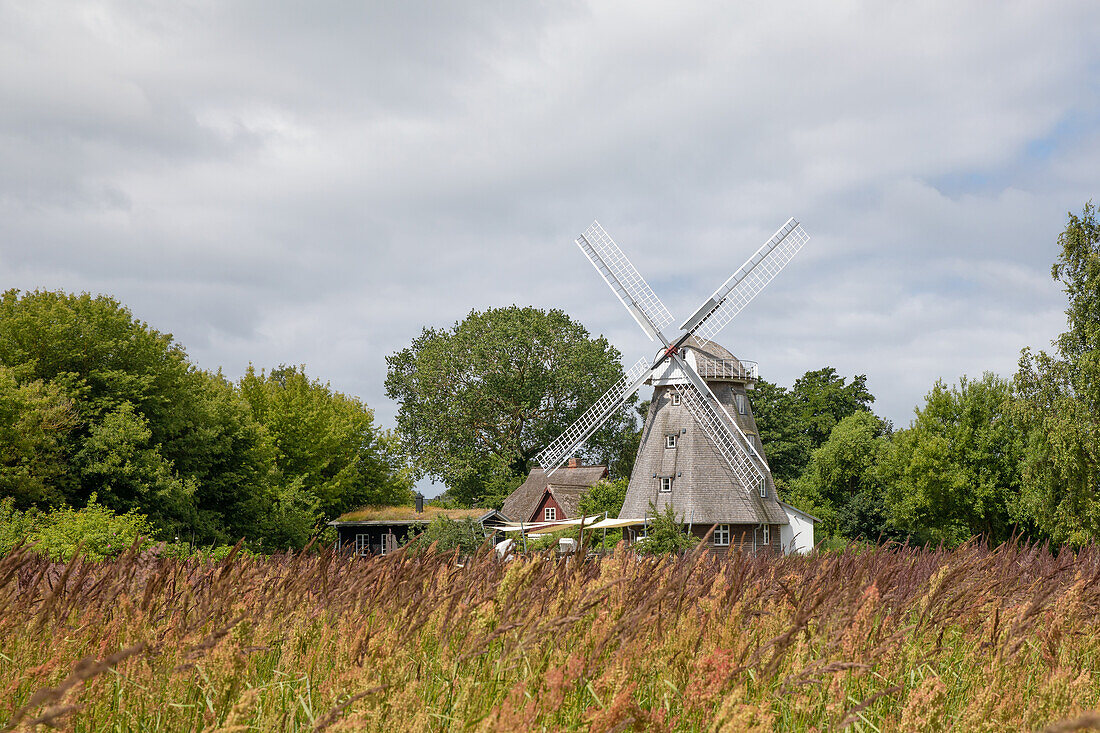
(315, 184)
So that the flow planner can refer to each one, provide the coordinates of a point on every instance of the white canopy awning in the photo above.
(612, 523)
(549, 526)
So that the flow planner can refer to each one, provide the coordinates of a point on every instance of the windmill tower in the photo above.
(700, 450)
(678, 464)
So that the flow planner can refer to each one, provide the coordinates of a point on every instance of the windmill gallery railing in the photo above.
(726, 369)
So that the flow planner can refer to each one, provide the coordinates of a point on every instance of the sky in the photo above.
(315, 183)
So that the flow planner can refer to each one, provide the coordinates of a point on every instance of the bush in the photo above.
(98, 531)
(447, 535)
(666, 534)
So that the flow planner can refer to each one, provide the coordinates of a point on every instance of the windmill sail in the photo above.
(734, 447)
(749, 279)
(624, 280)
(563, 446)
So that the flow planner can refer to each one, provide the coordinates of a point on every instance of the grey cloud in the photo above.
(316, 184)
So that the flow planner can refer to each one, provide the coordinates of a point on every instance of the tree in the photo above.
(604, 496)
(35, 418)
(794, 423)
(325, 442)
(841, 485)
(955, 472)
(1058, 398)
(504, 382)
(122, 465)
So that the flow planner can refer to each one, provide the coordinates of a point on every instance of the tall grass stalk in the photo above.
(895, 638)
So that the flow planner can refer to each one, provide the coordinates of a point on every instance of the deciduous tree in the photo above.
(501, 383)
(955, 472)
(1058, 398)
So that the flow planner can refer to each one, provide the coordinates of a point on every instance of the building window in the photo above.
(362, 544)
(740, 399)
(767, 535)
(387, 543)
(675, 398)
(670, 441)
(763, 489)
(666, 484)
(722, 535)
(550, 514)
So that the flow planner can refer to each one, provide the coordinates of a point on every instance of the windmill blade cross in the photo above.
(747, 282)
(625, 281)
(563, 446)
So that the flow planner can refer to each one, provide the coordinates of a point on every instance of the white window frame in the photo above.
(670, 440)
(721, 536)
(362, 544)
(741, 403)
(675, 399)
(767, 535)
(763, 489)
(550, 514)
(385, 546)
(664, 485)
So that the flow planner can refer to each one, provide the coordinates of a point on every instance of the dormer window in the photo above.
(670, 440)
(666, 484)
(550, 514)
(675, 399)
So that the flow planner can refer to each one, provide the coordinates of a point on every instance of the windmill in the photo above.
(676, 367)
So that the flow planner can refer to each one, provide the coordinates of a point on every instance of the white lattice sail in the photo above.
(736, 452)
(744, 285)
(563, 446)
(624, 280)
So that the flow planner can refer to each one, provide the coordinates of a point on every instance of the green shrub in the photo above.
(448, 535)
(98, 531)
(666, 534)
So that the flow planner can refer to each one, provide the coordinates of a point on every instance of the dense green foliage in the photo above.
(94, 531)
(94, 403)
(604, 496)
(447, 535)
(794, 423)
(496, 389)
(842, 484)
(1058, 402)
(986, 457)
(955, 472)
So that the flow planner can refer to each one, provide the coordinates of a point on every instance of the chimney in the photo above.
(573, 463)
(419, 503)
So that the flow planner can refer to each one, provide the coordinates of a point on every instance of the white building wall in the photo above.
(798, 534)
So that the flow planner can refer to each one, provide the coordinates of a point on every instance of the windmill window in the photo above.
(763, 489)
(767, 535)
(670, 441)
(362, 544)
(550, 514)
(722, 535)
(740, 399)
(675, 398)
(666, 484)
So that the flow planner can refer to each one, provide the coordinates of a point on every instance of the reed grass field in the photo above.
(886, 639)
